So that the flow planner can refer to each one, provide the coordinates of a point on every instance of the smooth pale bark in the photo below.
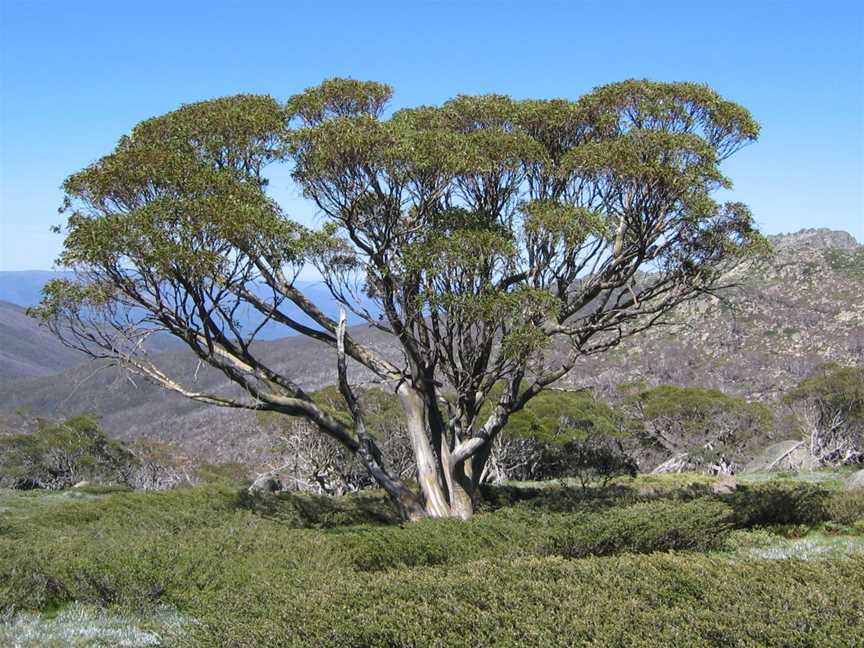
(427, 471)
(462, 493)
(449, 488)
(407, 504)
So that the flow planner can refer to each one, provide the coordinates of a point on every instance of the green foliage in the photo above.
(834, 389)
(694, 407)
(58, 455)
(439, 542)
(779, 503)
(503, 495)
(558, 417)
(124, 548)
(248, 578)
(846, 508)
(658, 600)
(707, 423)
(595, 459)
(829, 409)
(339, 98)
(179, 188)
(563, 499)
(580, 436)
(644, 528)
(222, 473)
(305, 511)
(478, 229)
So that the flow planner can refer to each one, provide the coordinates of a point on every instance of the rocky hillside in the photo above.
(802, 308)
(787, 315)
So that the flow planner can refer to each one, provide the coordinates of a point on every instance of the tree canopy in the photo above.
(828, 408)
(699, 427)
(498, 240)
(60, 454)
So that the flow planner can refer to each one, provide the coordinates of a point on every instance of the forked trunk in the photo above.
(448, 490)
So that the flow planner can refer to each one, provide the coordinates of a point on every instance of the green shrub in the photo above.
(498, 496)
(234, 474)
(658, 600)
(506, 532)
(307, 511)
(249, 580)
(512, 533)
(581, 500)
(716, 430)
(645, 528)
(845, 507)
(117, 548)
(59, 454)
(778, 503)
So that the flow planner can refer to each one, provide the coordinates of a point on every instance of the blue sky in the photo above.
(74, 76)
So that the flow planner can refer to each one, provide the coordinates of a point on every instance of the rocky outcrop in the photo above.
(855, 481)
(784, 316)
(725, 486)
(676, 464)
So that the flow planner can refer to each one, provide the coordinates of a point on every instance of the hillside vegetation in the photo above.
(790, 314)
(659, 562)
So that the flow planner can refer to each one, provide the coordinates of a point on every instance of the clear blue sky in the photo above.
(76, 75)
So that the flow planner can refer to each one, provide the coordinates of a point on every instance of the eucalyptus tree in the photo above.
(828, 407)
(498, 242)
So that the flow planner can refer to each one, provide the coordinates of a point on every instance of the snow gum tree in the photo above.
(494, 242)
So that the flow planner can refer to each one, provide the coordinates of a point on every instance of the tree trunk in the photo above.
(436, 500)
(448, 489)
(463, 492)
(408, 505)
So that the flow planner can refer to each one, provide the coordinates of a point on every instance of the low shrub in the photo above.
(581, 500)
(845, 507)
(506, 532)
(496, 496)
(140, 568)
(645, 528)
(658, 600)
(778, 503)
(118, 548)
(250, 580)
(518, 532)
(306, 511)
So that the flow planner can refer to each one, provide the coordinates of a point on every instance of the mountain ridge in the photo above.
(802, 308)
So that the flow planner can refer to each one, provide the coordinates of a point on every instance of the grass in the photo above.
(87, 626)
(832, 478)
(785, 544)
(542, 564)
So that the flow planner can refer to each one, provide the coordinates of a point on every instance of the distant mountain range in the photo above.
(801, 309)
(27, 350)
(24, 287)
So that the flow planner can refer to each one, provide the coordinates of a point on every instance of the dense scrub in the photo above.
(657, 600)
(551, 566)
